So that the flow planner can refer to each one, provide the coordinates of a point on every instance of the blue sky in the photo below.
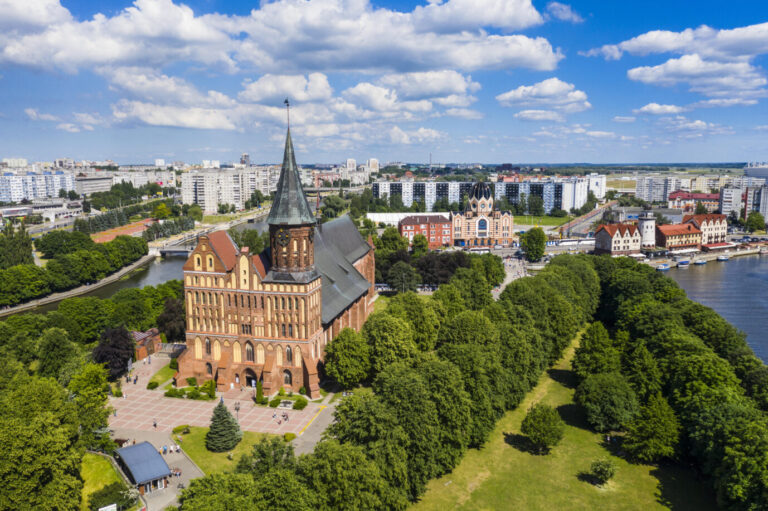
(466, 80)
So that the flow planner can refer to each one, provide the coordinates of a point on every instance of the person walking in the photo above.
(154, 423)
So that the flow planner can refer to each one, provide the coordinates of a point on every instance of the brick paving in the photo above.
(140, 407)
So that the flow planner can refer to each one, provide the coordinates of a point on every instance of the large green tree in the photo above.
(219, 492)
(422, 316)
(347, 358)
(224, 433)
(595, 353)
(390, 339)
(88, 388)
(55, 350)
(654, 433)
(608, 399)
(755, 222)
(543, 426)
(533, 243)
(114, 350)
(171, 321)
(402, 277)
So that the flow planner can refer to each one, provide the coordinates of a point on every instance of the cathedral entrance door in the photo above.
(250, 378)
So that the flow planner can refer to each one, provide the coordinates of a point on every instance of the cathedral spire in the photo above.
(290, 205)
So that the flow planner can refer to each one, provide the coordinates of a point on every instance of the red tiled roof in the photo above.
(679, 194)
(622, 228)
(678, 229)
(224, 247)
(424, 219)
(261, 263)
(717, 245)
(699, 219)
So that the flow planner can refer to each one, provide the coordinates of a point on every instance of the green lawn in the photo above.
(163, 375)
(210, 462)
(549, 221)
(97, 472)
(381, 303)
(501, 476)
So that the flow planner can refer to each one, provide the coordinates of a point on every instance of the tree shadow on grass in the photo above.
(522, 443)
(564, 377)
(676, 491)
(586, 477)
(573, 415)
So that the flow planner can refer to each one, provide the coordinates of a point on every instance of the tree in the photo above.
(536, 206)
(602, 470)
(62, 242)
(595, 353)
(390, 340)
(88, 387)
(268, 454)
(403, 277)
(171, 321)
(161, 211)
(195, 212)
(701, 209)
(420, 246)
(533, 243)
(114, 350)
(543, 426)
(347, 358)
(283, 489)
(219, 492)
(115, 493)
(361, 486)
(755, 222)
(55, 350)
(641, 370)
(608, 399)
(224, 433)
(62, 193)
(422, 316)
(90, 313)
(654, 433)
(473, 286)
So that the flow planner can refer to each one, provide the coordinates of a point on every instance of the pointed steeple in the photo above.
(290, 205)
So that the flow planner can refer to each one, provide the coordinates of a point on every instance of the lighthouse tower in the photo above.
(647, 224)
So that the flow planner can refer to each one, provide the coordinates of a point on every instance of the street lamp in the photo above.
(237, 409)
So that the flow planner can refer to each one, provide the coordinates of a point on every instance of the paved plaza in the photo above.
(140, 408)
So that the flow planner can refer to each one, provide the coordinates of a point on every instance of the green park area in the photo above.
(503, 474)
(97, 472)
(548, 221)
(215, 462)
(163, 375)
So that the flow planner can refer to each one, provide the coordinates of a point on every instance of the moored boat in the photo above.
(683, 264)
(662, 267)
(763, 250)
(723, 257)
(700, 262)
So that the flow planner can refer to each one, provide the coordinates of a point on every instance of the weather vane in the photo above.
(288, 111)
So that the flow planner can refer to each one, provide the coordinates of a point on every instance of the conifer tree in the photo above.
(224, 433)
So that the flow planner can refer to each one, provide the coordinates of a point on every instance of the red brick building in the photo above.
(678, 236)
(268, 317)
(687, 200)
(436, 228)
(147, 342)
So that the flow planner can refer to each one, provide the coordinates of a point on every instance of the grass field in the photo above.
(549, 221)
(97, 472)
(381, 303)
(502, 476)
(210, 462)
(621, 184)
(163, 375)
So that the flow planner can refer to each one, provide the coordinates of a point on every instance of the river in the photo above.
(737, 290)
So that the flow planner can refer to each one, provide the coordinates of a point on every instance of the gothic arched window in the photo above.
(287, 377)
(288, 355)
(207, 346)
(249, 351)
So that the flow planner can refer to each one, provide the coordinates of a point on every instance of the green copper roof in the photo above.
(290, 206)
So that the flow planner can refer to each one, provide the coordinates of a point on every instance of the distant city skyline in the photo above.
(487, 81)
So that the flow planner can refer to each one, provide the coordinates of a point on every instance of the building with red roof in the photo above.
(436, 228)
(687, 200)
(617, 239)
(678, 236)
(714, 227)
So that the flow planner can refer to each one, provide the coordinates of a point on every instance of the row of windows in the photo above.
(292, 355)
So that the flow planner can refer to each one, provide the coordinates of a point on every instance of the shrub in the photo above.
(289, 436)
(274, 403)
(193, 394)
(192, 381)
(602, 470)
(115, 493)
(174, 392)
(180, 429)
(608, 399)
(300, 403)
(259, 393)
(209, 388)
(174, 364)
(264, 400)
(117, 392)
(152, 385)
(543, 426)
(303, 391)
(281, 392)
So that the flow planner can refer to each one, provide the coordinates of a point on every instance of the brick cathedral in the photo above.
(268, 317)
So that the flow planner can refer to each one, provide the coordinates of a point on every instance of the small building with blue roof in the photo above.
(144, 466)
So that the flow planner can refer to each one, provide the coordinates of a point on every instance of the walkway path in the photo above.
(140, 409)
(56, 297)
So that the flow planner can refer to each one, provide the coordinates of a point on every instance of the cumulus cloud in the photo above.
(33, 114)
(563, 12)
(16, 15)
(601, 134)
(314, 87)
(383, 99)
(464, 113)
(68, 127)
(460, 15)
(430, 84)
(539, 115)
(149, 85)
(170, 115)
(624, 118)
(708, 77)
(657, 109)
(692, 128)
(552, 93)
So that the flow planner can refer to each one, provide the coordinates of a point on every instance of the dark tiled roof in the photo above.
(424, 219)
(290, 206)
(143, 462)
(338, 244)
(224, 247)
(480, 190)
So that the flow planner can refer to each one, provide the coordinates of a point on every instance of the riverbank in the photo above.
(57, 297)
(707, 256)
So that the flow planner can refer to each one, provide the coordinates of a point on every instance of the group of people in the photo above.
(516, 267)
(170, 448)
(283, 417)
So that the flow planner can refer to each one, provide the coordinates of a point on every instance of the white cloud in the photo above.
(179, 116)
(762, 127)
(708, 77)
(688, 128)
(539, 115)
(624, 118)
(563, 12)
(657, 109)
(725, 102)
(15, 15)
(430, 84)
(149, 85)
(382, 99)
(314, 87)
(552, 93)
(459, 15)
(601, 134)
(455, 100)
(69, 127)
(464, 113)
(34, 115)
(399, 136)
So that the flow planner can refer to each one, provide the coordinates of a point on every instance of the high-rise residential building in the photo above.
(15, 163)
(245, 159)
(351, 165)
(656, 188)
(210, 187)
(22, 185)
(730, 200)
(596, 184)
(373, 165)
(160, 163)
